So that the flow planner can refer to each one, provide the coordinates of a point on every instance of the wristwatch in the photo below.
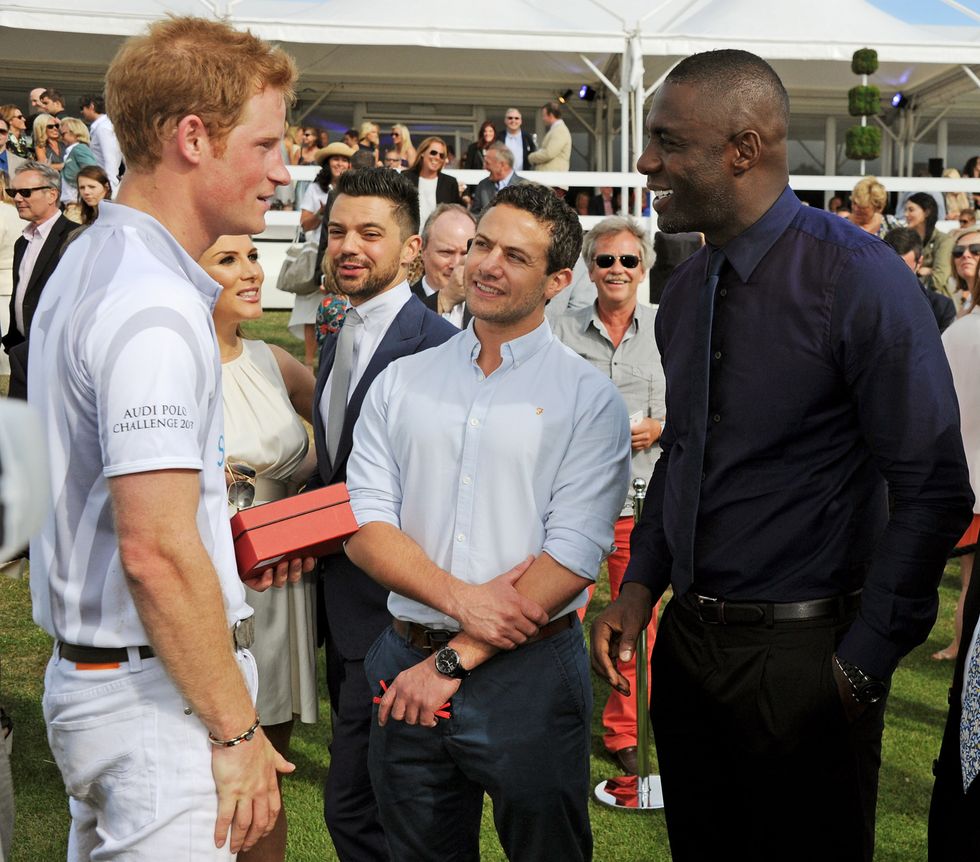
(865, 689)
(447, 663)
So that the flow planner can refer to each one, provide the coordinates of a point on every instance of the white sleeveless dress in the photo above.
(263, 431)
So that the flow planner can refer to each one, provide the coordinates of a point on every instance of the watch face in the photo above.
(871, 692)
(447, 661)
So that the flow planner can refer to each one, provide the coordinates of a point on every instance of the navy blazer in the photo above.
(432, 302)
(355, 607)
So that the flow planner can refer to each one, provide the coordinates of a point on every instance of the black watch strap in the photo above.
(866, 689)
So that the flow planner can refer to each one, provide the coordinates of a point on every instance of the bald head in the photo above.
(744, 88)
(716, 153)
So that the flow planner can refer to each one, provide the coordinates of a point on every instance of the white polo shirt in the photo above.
(125, 372)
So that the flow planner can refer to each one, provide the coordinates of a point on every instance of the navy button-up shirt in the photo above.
(827, 378)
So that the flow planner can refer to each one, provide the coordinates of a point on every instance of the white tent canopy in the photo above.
(529, 50)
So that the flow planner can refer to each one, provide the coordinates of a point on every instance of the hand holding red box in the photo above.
(313, 524)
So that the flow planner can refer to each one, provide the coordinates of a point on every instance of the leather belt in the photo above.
(725, 613)
(431, 640)
(242, 635)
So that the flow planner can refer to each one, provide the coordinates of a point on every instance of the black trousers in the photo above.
(349, 807)
(954, 816)
(753, 744)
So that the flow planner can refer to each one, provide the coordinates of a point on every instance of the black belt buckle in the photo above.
(436, 639)
(718, 612)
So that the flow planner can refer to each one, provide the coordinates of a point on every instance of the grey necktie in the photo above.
(343, 366)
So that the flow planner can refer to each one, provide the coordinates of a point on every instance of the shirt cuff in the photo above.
(575, 552)
(875, 655)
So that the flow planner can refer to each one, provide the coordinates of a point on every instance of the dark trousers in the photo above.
(753, 745)
(349, 806)
(954, 816)
(519, 731)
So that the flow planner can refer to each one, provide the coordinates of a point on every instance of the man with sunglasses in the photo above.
(35, 190)
(615, 334)
(519, 142)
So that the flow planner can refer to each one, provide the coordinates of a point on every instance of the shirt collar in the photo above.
(159, 242)
(42, 230)
(746, 250)
(380, 310)
(594, 319)
(512, 352)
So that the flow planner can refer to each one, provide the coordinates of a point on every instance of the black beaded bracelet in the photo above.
(237, 740)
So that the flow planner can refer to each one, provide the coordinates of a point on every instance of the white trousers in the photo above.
(136, 766)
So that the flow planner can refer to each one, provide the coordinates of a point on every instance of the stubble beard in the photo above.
(374, 282)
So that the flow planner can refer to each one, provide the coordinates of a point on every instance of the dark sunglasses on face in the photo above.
(26, 193)
(4, 131)
(437, 154)
(604, 261)
(973, 248)
(54, 125)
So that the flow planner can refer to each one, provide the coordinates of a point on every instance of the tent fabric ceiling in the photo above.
(524, 50)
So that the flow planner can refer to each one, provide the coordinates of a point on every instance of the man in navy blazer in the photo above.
(45, 234)
(372, 238)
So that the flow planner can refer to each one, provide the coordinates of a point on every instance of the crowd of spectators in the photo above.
(57, 169)
(945, 224)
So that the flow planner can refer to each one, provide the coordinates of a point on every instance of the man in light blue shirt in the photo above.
(500, 451)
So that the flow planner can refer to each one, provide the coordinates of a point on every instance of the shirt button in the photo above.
(460, 537)
(466, 480)
(704, 476)
(723, 291)
(717, 354)
(474, 422)
(716, 417)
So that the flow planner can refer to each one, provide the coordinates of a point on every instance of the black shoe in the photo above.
(626, 758)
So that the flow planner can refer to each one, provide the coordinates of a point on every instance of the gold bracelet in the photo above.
(236, 740)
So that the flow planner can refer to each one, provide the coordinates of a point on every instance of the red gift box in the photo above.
(313, 524)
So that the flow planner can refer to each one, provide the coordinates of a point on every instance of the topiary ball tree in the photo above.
(864, 61)
(864, 101)
(863, 142)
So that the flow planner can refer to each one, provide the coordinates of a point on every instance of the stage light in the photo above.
(564, 96)
(900, 100)
(586, 93)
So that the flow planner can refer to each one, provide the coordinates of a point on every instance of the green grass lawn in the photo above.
(914, 721)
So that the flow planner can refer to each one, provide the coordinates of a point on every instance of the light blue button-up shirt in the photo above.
(482, 471)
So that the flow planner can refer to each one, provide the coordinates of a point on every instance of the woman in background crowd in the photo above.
(477, 151)
(78, 154)
(965, 256)
(426, 175)
(93, 188)
(971, 171)
(265, 391)
(369, 139)
(955, 202)
(401, 140)
(962, 343)
(302, 320)
(868, 200)
(921, 214)
(48, 149)
(18, 140)
(11, 227)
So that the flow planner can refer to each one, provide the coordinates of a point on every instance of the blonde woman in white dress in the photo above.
(265, 391)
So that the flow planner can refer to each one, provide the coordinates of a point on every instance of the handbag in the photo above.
(298, 274)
